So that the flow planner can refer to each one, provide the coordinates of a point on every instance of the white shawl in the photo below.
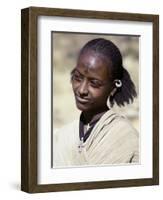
(113, 140)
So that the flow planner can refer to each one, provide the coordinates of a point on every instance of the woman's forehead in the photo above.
(94, 64)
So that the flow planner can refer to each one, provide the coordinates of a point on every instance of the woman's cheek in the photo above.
(74, 87)
(102, 96)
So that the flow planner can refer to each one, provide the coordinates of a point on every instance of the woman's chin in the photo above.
(82, 107)
(90, 108)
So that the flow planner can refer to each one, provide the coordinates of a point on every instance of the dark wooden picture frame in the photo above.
(29, 86)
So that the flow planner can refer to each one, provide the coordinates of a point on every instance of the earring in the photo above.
(118, 83)
(109, 102)
(113, 92)
(110, 96)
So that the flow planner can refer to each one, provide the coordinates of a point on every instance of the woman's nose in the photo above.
(83, 89)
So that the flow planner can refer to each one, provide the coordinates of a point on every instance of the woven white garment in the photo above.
(113, 140)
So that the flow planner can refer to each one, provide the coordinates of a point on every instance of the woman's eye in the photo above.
(77, 77)
(95, 84)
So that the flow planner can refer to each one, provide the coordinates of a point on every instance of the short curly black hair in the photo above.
(109, 50)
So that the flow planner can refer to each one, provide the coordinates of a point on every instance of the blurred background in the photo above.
(65, 48)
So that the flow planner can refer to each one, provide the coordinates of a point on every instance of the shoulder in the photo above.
(122, 135)
(121, 126)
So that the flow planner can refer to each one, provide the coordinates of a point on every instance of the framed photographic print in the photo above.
(90, 99)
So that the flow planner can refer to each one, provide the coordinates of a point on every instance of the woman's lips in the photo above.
(82, 100)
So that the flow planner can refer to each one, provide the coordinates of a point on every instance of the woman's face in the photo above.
(91, 82)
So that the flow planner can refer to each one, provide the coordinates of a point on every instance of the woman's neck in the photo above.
(89, 115)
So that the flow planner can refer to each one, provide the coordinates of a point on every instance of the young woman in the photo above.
(100, 136)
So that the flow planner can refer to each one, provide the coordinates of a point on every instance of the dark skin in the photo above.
(91, 83)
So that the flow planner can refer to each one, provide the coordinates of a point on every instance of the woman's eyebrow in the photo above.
(76, 70)
(90, 78)
(72, 71)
